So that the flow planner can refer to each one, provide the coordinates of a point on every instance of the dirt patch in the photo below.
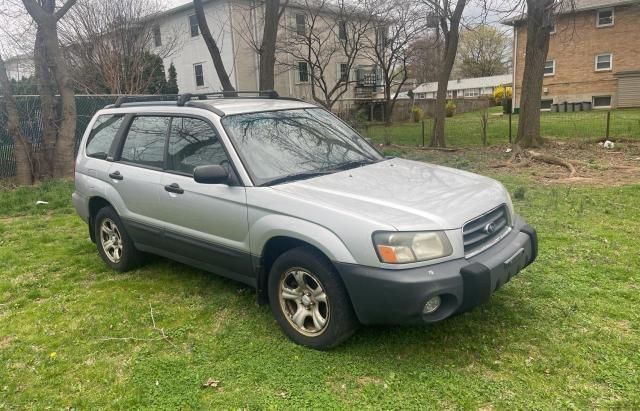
(594, 164)
(5, 342)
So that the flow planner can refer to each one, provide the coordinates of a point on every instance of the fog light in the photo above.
(431, 305)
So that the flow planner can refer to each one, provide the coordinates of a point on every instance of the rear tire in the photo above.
(309, 301)
(114, 244)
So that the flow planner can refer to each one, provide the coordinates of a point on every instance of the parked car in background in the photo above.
(283, 196)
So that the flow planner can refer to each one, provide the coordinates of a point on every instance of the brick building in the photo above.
(594, 55)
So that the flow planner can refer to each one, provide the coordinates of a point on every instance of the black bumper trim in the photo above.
(476, 285)
(397, 296)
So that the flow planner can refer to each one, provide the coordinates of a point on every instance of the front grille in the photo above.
(482, 232)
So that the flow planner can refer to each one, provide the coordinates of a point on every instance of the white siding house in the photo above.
(465, 88)
(190, 56)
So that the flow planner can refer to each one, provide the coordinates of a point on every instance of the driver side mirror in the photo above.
(213, 174)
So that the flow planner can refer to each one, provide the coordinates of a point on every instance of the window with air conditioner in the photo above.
(605, 18)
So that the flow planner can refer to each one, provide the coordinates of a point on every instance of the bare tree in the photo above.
(398, 24)
(329, 43)
(483, 51)
(113, 46)
(214, 51)
(539, 24)
(449, 14)
(50, 60)
(258, 27)
(21, 146)
(267, 53)
(425, 58)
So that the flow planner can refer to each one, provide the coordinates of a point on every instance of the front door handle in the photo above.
(174, 188)
(116, 175)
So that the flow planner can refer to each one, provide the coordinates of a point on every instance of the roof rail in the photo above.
(227, 94)
(132, 99)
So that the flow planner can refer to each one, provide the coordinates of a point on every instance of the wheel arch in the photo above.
(270, 242)
(96, 203)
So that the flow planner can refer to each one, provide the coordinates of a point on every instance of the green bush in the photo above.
(450, 108)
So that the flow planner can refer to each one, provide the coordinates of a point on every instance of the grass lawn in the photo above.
(562, 334)
(464, 130)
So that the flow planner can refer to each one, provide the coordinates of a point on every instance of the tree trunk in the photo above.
(272, 15)
(452, 36)
(21, 147)
(214, 51)
(65, 143)
(538, 32)
(51, 59)
(47, 107)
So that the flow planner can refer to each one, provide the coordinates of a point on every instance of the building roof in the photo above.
(573, 6)
(465, 83)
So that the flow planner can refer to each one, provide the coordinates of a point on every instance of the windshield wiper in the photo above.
(315, 173)
(296, 176)
(353, 164)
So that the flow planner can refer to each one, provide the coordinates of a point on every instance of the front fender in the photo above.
(269, 226)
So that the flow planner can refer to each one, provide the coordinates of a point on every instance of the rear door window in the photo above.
(145, 141)
(104, 131)
(192, 143)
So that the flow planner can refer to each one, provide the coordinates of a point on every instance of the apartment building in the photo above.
(235, 24)
(594, 55)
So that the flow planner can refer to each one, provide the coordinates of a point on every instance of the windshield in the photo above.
(278, 146)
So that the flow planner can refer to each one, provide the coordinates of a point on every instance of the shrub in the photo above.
(417, 114)
(500, 93)
(450, 108)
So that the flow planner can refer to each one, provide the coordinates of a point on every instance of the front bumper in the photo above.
(385, 296)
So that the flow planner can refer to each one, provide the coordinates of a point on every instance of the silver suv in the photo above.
(283, 196)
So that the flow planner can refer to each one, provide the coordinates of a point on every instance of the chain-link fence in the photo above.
(491, 127)
(31, 123)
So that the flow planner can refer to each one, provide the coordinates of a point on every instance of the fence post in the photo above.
(608, 123)
(510, 138)
(422, 132)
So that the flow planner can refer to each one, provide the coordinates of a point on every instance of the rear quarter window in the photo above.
(102, 134)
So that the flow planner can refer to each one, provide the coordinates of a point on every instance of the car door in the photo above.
(136, 176)
(204, 223)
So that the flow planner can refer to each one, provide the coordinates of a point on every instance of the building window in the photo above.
(199, 74)
(157, 36)
(602, 102)
(343, 72)
(382, 36)
(604, 62)
(303, 72)
(342, 30)
(471, 92)
(301, 24)
(605, 18)
(546, 104)
(193, 25)
(549, 67)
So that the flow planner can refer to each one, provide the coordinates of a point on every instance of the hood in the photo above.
(408, 195)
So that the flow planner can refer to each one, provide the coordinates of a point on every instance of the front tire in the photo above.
(309, 301)
(114, 244)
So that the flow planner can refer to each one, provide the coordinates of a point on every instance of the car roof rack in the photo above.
(182, 99)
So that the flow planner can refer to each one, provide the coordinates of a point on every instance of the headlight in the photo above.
(399, 248)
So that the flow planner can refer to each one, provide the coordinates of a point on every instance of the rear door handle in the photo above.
(174, 188)
(116, 175)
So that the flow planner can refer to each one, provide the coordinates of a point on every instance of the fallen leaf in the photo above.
(211, 383)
